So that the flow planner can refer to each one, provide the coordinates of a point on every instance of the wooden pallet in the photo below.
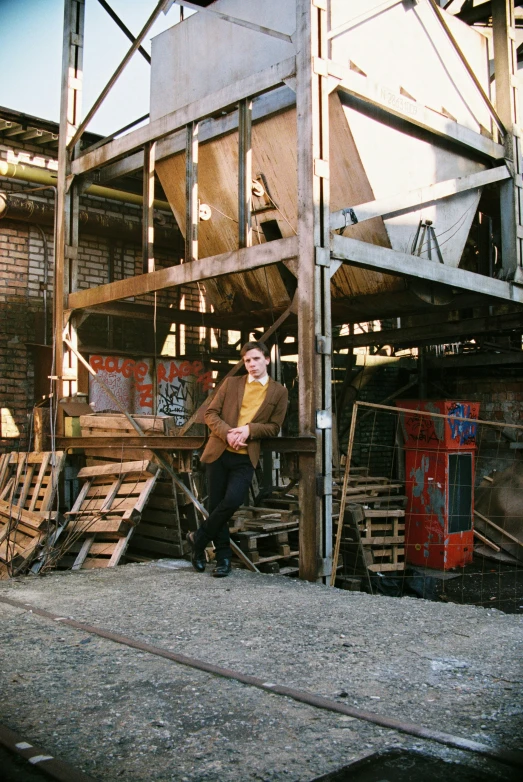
(105, 513)
(159, 532)
(373, 538)
(28, 486)
(264, 545)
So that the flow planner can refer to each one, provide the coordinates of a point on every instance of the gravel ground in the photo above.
(119, 713)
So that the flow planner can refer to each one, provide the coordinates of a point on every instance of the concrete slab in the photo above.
(117, 712)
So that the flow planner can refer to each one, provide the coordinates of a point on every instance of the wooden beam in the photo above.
(354, 85)
(194, 112)
(434, 333)
(414, 199)
(242, 260)
(370, 256)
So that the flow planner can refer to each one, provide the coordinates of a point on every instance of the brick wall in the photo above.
(23, 250)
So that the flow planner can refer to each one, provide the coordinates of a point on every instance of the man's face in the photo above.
(256, 363)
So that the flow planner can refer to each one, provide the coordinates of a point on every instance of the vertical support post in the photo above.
(192, 206)
(505, 67)
(314, 320)
(66, 240)
(148, 199)
(245, 172)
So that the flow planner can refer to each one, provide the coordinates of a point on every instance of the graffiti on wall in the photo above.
(143, 386)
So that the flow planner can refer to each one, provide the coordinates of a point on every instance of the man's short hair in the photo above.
(261, 346)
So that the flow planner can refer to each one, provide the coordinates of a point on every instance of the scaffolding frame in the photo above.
(317, 251)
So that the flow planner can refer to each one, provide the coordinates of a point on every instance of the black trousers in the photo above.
(228, 480)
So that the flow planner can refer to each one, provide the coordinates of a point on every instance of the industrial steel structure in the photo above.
(303, 89)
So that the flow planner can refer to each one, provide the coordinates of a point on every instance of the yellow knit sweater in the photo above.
(253, 398)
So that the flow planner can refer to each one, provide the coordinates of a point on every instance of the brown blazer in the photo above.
(222, 415)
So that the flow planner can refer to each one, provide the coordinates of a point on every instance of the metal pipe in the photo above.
(43, 176)
(29, 211)
(509, 757)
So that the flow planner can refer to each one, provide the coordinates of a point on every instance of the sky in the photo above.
(31, 54)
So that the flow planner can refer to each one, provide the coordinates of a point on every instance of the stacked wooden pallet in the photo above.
(268, 536)
(28, 486)
(372, 537)
(105, 514)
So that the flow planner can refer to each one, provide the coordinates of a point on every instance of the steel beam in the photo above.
(314, 327)
(116, 75)
(253, 85)
(360, 88)
(506, 80)
(414, 199)
(148, 209)
(245, 172)
(370, 256)
(66, 240)
(202, 269)
(192, 217)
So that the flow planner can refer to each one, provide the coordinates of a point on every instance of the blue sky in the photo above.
(31, 54)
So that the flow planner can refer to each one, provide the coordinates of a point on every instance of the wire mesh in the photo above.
(432, 505)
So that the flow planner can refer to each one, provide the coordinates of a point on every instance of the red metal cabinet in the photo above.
(439, 462)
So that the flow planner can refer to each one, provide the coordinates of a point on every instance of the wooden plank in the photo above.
(386, 567)
(33, 519)
(204, 268)
(385, 540)
(119, 550)
(393, 262)
(486, 541)
(499, 529)
(84, 551)
(205, 107)
(118, 468)
(118, 526)
(377, 514)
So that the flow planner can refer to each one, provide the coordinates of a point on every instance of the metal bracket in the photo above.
(322, 256)
(71, 252)
(323, 419)
(323, 345)
(349, 214)
(320, 66)
(321, 168)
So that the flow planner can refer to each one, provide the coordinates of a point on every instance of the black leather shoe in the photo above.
(198, 560)
(223, 568)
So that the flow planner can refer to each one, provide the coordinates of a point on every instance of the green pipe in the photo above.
(42, 176)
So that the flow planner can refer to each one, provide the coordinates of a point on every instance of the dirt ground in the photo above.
(120, 713)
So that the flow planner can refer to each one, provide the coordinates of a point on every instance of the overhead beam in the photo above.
(354, 85)
(414, 199)
(370, 256)
(242, 260)
(433, 333)
(124, 309)
(263, 106)
(211, 104)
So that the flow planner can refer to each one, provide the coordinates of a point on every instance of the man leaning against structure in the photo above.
(244, 410)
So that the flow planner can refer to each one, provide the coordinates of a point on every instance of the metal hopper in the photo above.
(403, 56)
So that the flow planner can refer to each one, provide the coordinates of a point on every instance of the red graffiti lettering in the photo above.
(146, 394)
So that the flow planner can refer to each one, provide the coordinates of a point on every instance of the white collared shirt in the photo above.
(263, 380)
